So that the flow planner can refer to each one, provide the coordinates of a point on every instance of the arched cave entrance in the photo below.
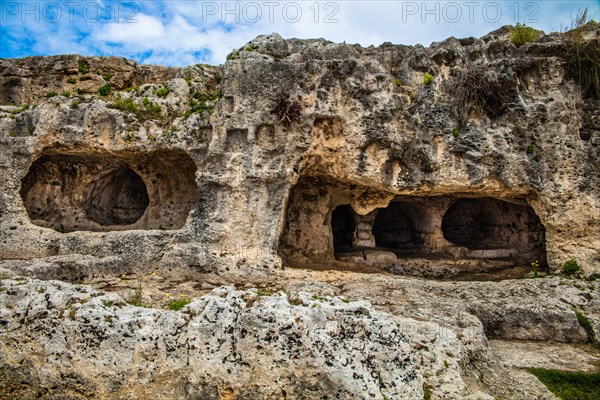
(118, 197)
(394, 227)
(343, 228)
(95, 190)
(488, 224)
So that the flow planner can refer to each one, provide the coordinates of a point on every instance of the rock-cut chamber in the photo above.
(100, 191)
(423, 235)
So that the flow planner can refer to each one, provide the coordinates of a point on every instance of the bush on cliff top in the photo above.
(521, 34)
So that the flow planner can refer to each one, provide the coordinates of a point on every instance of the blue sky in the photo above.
(183, 32)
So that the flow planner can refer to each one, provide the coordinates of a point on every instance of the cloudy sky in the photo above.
(183, 32)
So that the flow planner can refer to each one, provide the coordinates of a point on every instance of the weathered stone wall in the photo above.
(368, 123)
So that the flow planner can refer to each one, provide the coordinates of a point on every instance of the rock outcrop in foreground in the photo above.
(472, 159)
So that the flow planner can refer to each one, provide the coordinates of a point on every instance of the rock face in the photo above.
(248, 161)
(466, 159)
(229, 344)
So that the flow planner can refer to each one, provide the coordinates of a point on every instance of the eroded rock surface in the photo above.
(366, 132)
(297, 153)
(228, 343)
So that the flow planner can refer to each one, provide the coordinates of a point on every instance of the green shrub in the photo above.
(106, 77)
(80, 91)
(569, 385)
(104, 90)
(71, 80)
(162, 92)
(66, 93)
(177, 305)
(233, 56)
(126, 105)
(51, 94)
(455, 132)
(398, 82)
(83, 67)
(427, 79)
(571, 268)
(521, 34)
(203, 102)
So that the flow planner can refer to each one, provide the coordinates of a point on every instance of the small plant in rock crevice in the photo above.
(288, 111)
(162, 92)
(104, 90)
(83, 67)
(427, 79)
(571, 268)
(177, 305)
(475, 90)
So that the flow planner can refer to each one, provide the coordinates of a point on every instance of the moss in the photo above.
(426, 393)
(569, 385)
(585, 323)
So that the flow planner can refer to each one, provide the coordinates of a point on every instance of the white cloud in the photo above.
(185, 32)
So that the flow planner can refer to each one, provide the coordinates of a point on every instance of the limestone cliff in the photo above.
(228, 177)
(468, 158)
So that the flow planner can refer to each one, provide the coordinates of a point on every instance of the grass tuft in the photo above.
(521, 34)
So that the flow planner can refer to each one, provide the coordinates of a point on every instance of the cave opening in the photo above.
(395, 227)
(343, 228)
(117, 197)
(438, 236)
(487, 223)
(94, 190)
